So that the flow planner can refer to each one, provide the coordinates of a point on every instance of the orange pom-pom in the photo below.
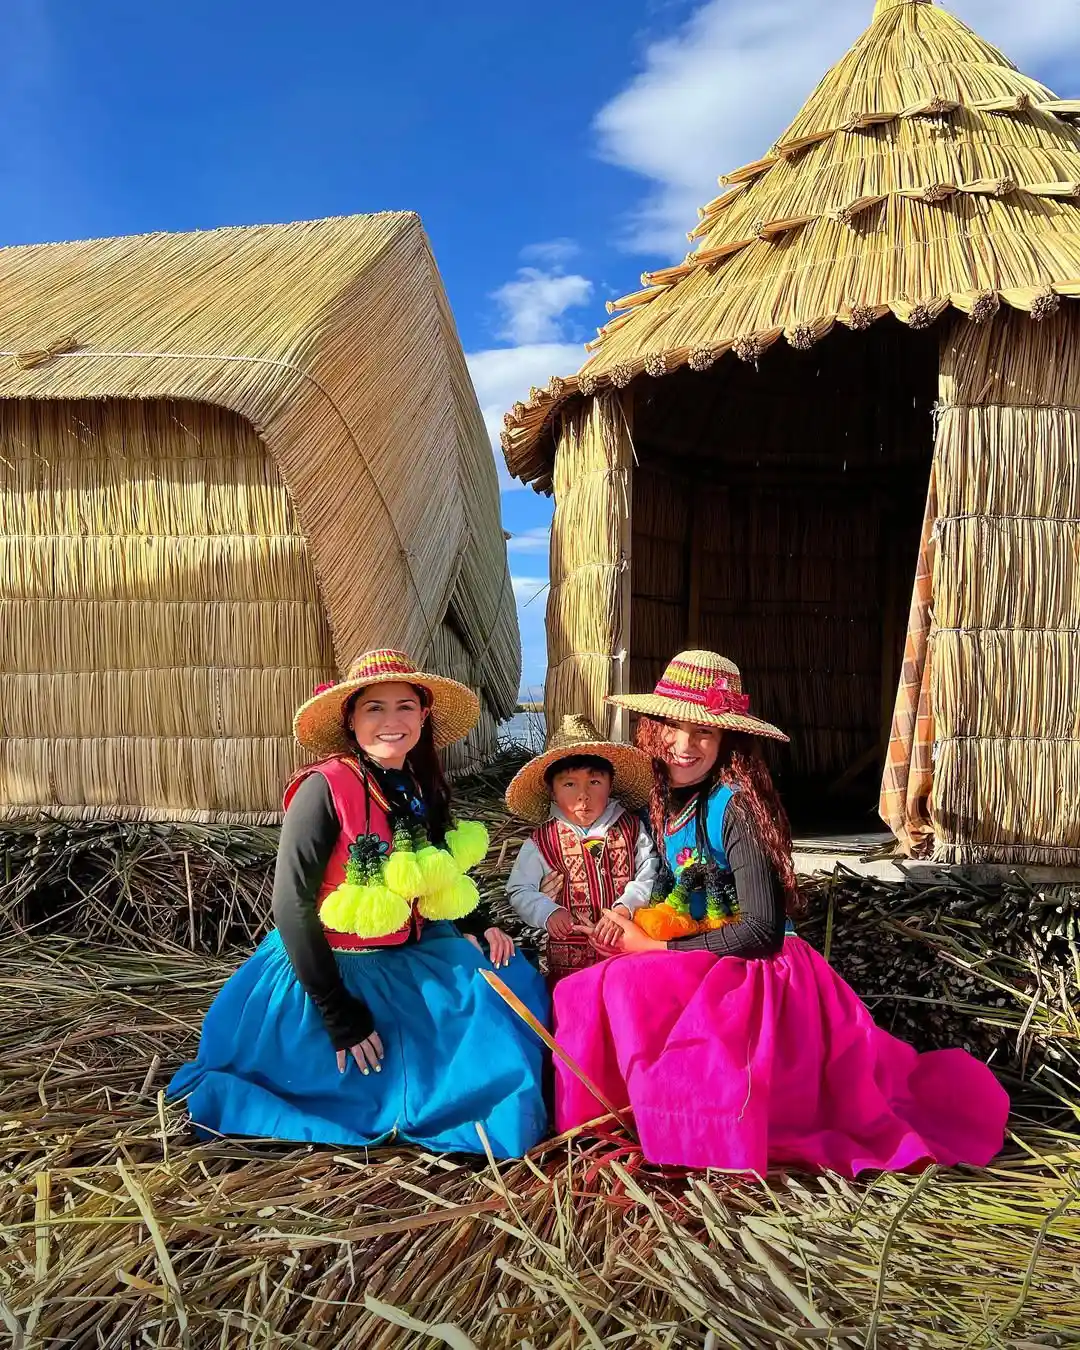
(664, 923)
(721, 922)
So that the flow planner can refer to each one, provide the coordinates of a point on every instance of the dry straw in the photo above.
(119, 1228)
(210, 502)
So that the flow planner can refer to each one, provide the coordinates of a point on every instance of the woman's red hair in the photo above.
(739, 765)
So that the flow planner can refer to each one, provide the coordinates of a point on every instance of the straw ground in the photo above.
(119, 1229)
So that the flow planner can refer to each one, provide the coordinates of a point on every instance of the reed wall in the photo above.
(1005, 643)
(587, 609)
(160, 613)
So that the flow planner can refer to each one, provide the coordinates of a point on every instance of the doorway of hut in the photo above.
(776, 517)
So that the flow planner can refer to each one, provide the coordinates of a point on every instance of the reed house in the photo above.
(840, 443)
(229, 462)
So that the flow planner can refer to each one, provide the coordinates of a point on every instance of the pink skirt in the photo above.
(740, 1065)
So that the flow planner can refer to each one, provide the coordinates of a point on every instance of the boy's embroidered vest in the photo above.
(359, 813)
(595, 873)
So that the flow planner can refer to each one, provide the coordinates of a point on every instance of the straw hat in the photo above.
(319, 724)
(528, 795)
(703, 688)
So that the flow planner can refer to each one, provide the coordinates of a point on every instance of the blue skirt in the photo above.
(455, 1054)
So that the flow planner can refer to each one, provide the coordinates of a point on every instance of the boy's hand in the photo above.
(552, 886)
(560, 924)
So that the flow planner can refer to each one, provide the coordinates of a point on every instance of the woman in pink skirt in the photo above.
(734, 1043)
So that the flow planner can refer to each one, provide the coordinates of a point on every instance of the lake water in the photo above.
(525, 729)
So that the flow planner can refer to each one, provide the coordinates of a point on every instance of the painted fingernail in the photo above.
(364, 1072)
(378, 1068)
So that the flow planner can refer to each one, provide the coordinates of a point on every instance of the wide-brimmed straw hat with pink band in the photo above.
(703, 688)
(319, 724)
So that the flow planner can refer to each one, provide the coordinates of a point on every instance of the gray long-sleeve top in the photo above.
(534, 908)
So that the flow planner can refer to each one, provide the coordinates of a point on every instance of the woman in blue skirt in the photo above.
(363, 1018)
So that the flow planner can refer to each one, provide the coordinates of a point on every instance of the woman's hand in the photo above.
(630, 938)
(606, 933)
(368, 1055)
(552, 885)
(500, 946)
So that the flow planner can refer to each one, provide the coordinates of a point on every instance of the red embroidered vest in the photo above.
(360, 812)
(595, 873)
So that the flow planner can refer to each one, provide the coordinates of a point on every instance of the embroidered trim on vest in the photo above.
(593, 879)
(674, 825)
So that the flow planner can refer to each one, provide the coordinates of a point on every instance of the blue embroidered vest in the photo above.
(680, 844)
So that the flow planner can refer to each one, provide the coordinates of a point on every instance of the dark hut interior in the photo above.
(776, 517)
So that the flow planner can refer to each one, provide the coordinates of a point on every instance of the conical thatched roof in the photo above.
(925, 171)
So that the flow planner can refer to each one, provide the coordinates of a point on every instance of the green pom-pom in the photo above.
(365, 911)
(453, 902)
(401, 872)
(468, 842)
(437, 869)
(679, 900)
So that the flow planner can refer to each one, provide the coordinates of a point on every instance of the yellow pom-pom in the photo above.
(453, 902)
(664, 923)
(337, 910)
(367, 911)
(437, 869)
(468, 842)
(401, 872)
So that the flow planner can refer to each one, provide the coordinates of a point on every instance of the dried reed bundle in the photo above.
(1005, 642)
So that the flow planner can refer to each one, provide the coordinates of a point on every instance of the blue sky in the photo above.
(554, 150)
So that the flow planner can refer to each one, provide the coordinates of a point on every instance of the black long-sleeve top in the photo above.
(758, 932)
(308, 835)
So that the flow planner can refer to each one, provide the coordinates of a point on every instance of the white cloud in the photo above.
(534, 303)
(722, 88)
(552, 253)
(537, 540)
(503, 375)
(526, 589)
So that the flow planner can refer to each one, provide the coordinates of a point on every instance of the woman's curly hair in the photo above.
(740, 765)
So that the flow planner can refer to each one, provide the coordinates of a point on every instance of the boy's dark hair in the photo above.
(571, 763)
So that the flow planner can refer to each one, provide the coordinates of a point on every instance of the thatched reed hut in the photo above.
(864, 380)
(229, 462)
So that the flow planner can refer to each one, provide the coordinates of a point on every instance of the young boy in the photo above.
(591, 852)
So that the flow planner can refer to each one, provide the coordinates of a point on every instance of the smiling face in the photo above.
(581, 793)
(386, 721)
(691, 751)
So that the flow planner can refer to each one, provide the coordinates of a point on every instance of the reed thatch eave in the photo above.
(924, 173)
(333, 339)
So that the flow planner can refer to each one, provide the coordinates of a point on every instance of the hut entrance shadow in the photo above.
(776, 518)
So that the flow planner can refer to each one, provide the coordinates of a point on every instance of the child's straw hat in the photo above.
(528, 795)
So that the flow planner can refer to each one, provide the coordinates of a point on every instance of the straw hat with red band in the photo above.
(319, 724)
(705, 689)
(529, 796)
